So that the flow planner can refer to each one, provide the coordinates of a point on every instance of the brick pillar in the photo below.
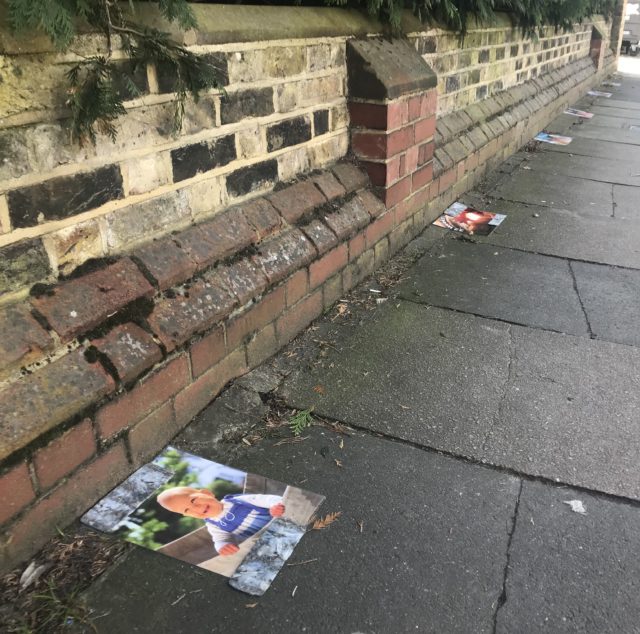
(596, 50)
(392, 104)
(617, 26)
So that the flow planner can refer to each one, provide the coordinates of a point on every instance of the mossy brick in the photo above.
(164, 262)
(253, 177)
(22, 265)
(297, 200)
(44, 399)
(176, 319)
(320, 122)
(329, 185)
(130, 350)
(379, 69)
(320, 235)
(374, 206)
(189, 160)
(348, 219)
(16, 491)
(226, 234)
(261, 346)
(287, 133)
(351, 176)
(244, 279)
(78, 305)
(244, 104)
(262, 218)
(63, 197)
(64, 454)
(288, 252)
(23, 338)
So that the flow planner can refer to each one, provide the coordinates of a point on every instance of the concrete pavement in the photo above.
(499, 380)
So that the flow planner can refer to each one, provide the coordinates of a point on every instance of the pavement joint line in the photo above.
(574, 279)
(502, 599)
(515, 473)
(542, 170)
(614, 204)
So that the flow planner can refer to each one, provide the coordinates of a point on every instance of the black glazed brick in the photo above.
(427, 45)
(514, 50)
(483, 56)
(201, 157)
(246, 103)
(248, 179)
(167, 74)
(321, 122)
(500, 53)
(136, 84)
(452, 83)
(287, 133)
(23, 264)
(65, 196)
(481, 92)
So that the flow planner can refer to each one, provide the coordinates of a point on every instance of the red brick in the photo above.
(374, 206)
(383, 173)
(48, 397)
(325, 267)
(299, 317)
(244, 279)
(130, 349)
(447, 179)
(356, 246)
(429, 104)
(23, 339)
(412, 156)
(152, 433)
(156, 389)
(320, 235)
(415, 107)
(472, 161)
(329, 185)
(175, 319)
(297, 287)
(422, 176)
(379, 116)
(425, 129)
(397, 192)
(351, 176)
(165, 262)
(381, 145)
(207, 352)
(262, 217)
(201, 392)
(380, 228)
(261, 346)
(285, 254)
(425, 152)
(16, 491)
(64, 454)
(351, 216)
(295, 201)
(331, 291)
(460, 170)
(64, 504)
(434, 189)
(265, 311)
(78, 305)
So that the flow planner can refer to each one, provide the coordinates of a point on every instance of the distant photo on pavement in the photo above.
(237, 524)
(461, 217)
(574, 112)
(599, 93)
(554, 139)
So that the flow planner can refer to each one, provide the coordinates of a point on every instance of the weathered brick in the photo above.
(261, 346)
(22, 265)
(352, 177)
(321, 236)
(130, 350)
(357, 245)
(295, 201)
(374, 206)
(16, 491)
(421, 177)
(262, 217)
(328, 265)
(23, 339)
(175, 319)
(283, 255)
(201, 392)
(425, 129)
(65, 196)
(244, 279)
(397, 192)
(242, 104)
(381, 252)
(299, 317)
(332, 290)
(380, 228)
(382, 145)
(425, 153)
(201, 157)
(76, 306)
(64, 504)
(134, 405)
(288, 133)
(320, 122)
(248, 179)
(165, 262)
(64, 454)
(297, 287)
(348, 219)
(42, 400)
(379, 116)
(208, 351)
(152, 433)
(329, 185)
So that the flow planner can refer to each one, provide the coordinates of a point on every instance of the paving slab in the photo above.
(611, 299)
(627, 202)
(585, 197)
(445, 370)
(430, 555)
(603, 133)
(586, 576)
(563, 233)
(602, 149)
(506, 284)
(610, 121)
(614, 102)
(620, 171)
(570, 413)
(625, 113)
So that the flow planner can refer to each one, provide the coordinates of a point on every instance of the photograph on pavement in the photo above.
(237, 524)
(574, 112)
(599, 93)
(461, 217)
(554, 139)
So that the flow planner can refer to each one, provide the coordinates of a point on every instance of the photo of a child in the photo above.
(460, 217)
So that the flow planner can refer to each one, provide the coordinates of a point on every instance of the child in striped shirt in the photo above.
(229, 521)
